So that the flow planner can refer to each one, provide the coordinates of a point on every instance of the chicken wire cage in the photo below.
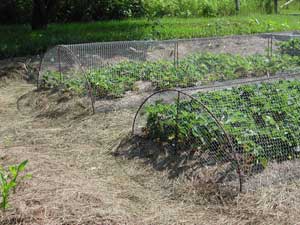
(240, 137)
(176, 131)
(227, 107)
(110, 69)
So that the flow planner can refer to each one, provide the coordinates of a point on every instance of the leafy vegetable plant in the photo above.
(262, 120)
(195, 69)
(9, 180)
(290, 47)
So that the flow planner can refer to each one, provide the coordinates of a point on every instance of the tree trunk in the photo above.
(276, 6)
(237, 5)
(39, 15)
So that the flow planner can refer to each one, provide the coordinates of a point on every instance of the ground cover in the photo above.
(76, 178)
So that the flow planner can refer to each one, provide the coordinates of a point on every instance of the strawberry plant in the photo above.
(290, 47)
(54, 80)
(195, 69)
(262, 120)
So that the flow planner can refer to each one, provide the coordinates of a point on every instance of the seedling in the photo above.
(9, 181)
(7, 141)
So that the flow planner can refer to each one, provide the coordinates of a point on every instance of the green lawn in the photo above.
(19, 40)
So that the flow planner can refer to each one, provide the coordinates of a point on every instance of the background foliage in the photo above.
(20, 40)
(19, 11)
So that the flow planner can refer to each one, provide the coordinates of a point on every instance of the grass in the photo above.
(19, 40)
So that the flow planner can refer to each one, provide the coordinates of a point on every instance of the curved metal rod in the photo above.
(235, 158)
(41, 63)
(20, 99)
(39, 72)
(78, 62)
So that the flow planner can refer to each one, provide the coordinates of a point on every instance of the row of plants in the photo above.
(291, 47)
(195, 69)
(262, 121)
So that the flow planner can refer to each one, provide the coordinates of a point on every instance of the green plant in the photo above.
(290, 47)
(19, 40)
(54, 79)
(7, 141)
(195, 69)
(9, 179)
(262, 121)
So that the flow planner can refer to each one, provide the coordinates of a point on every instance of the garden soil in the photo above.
(77, 178)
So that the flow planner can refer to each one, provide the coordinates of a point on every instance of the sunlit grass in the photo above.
(19, 40)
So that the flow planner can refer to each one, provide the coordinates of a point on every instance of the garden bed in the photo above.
(72, 169)
(195, 70)
(261, 120)
(192, 70)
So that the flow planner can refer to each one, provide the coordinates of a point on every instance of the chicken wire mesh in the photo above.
(58, 65)
(233, 119)
(60, 68)
(242, 137)
(112, 69)
(179, 133)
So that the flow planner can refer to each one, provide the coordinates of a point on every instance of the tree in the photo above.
(276, 6)
(237, 5)
(41, 10)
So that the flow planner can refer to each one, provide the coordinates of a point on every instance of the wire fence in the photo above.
(113, 68)
(226, 107)
(239, 138)
(93, 56)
